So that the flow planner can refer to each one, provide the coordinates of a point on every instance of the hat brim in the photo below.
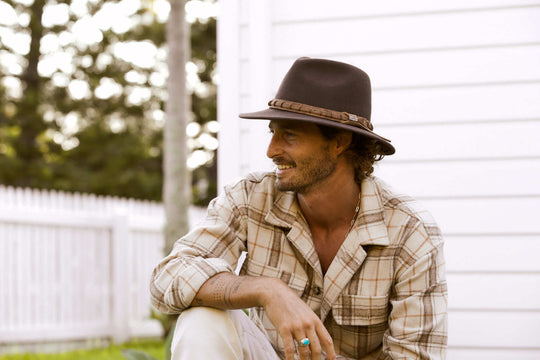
(276, 114)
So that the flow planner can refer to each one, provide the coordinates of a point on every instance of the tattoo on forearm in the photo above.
(218, 295)
(233, 290)
(223, 291)
(199, 301)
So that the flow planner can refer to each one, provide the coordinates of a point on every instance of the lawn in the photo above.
(154, 348)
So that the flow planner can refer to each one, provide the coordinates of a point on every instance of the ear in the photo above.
(342, 142)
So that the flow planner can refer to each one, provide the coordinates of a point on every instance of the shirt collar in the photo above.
(369, 227)
(284, 211)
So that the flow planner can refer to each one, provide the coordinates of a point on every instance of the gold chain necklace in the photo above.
(356, 211)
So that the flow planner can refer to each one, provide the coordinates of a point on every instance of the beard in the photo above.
(307, 172)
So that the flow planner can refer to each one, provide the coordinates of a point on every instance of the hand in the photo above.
(294, 320)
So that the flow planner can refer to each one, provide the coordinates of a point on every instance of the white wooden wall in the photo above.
(76, 266)
(457, 89)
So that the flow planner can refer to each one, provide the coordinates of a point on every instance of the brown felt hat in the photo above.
(325, 92)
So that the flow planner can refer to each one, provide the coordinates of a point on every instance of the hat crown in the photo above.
(327, 84)
(326, 93)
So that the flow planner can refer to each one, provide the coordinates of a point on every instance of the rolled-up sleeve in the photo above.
(214, 246)
(418, 319)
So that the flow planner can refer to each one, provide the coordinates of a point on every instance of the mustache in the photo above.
(283, 161)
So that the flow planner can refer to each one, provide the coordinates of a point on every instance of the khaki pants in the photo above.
(206, 333)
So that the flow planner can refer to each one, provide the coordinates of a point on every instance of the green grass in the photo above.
(154, 348)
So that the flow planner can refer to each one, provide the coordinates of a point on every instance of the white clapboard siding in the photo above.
(407, 32)
(493, 291)
(444, 67)
(482, 103)
(487, 215)
(495, 329)
(307, 10)
(463, 177)
(463, 141)
(456, 87)
(488, 253)
(492, 353)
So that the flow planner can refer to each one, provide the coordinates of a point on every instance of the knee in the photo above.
(201, 329)
(200, 320)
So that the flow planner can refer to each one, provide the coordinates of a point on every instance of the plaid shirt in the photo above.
(383, 297)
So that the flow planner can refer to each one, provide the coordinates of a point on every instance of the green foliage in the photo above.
(168, 343)
(129, 168)
(167, 321)
(130, 354)
(151, 348)
(92, 141)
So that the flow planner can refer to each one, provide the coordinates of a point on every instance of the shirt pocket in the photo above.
(297, 282)
(358, 310)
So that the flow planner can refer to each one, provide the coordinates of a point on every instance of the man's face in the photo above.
(301, 154)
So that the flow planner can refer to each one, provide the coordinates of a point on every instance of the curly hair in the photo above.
(362, 152)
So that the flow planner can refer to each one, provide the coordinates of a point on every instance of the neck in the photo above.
(331, 204)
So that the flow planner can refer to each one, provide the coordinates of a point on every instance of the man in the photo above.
(337, 265)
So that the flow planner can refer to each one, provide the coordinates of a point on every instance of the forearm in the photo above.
(229, 291)
(292, 318)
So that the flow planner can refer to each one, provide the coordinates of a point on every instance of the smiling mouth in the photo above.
(284, 167)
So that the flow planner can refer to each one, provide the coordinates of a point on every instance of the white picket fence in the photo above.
(76, 266)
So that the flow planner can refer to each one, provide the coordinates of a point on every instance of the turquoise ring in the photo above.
(304, 342)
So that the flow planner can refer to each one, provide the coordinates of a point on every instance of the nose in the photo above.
(273, 149)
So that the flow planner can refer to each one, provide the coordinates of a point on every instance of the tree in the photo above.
(21, 124)
(91, 116)
(204, 106)
(176, 182)
(85, 120)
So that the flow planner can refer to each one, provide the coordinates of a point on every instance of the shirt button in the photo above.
(317, 290)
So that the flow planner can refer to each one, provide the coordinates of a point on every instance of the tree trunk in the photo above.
(176, 179)
(30, 122)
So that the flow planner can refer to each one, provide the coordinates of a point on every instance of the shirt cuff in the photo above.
(189, 281)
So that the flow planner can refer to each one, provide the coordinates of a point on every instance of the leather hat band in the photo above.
(339, 116)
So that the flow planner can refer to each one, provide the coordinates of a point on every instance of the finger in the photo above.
(314, 345)
(288, 346)
(326, 342)
(303, 350)
(300, 334)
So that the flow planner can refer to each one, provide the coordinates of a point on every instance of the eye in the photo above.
(289, 135)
